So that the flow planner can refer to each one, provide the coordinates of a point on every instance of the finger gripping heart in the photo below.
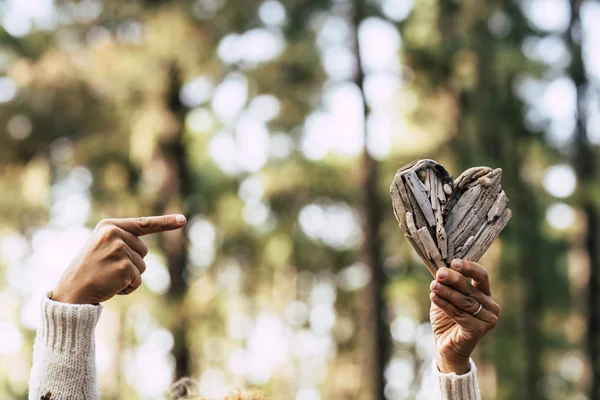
(442, 218)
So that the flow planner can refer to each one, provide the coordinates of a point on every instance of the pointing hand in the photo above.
(112, 261)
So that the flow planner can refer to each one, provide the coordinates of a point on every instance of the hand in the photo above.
(112, 261)
(454, 300)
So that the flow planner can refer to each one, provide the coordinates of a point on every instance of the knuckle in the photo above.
(468, 303)
(458, 313)
(120, 247)
(447, 293)
(440, 289)
(124, 269)
(103, 222)
(109, 231)
(142, 222)
(469, 289)
(129, 290)
(493, 322)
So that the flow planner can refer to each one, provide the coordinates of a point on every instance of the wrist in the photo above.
(458, 365)
(65, 297)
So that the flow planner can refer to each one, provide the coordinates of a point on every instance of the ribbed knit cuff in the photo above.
(457, 387)
(64, 352)
(68, 327)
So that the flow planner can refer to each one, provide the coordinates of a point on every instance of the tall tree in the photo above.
(374, 307)
(584, 160)
(489, 136)
(174, 191)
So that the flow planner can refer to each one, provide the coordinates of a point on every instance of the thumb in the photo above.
(147, 225)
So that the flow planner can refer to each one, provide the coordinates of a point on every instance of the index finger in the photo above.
(147, 225)
(474, 271)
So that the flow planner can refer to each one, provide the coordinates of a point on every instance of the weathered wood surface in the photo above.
(487, 237)
(399, 208)
(445, 219)
(420, 194)
(432, 269)
(431, 249)
(416, 209)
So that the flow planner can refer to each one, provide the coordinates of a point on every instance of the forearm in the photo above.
(64, 352)
(456, 387)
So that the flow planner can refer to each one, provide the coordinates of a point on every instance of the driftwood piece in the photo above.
(430, 247)
(433, 199)
(441, 194)
(471, 210)
(430, 266)
(412, 229)
(440, 232)
(398, 204)
(487, 237)
(416, 242)
(498, 208)
(420, 219)
(470, 176)
(403, 193)
(477, 199)
(460, 253)
(442, 218)
(418, 190)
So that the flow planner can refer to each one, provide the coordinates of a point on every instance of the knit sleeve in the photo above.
(64, 353)
(456, 387)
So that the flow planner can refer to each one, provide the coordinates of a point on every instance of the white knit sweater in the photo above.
(64, 365)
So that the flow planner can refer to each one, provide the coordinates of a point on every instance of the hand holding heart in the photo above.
(112, 261)
(446, 219)
(456, 294)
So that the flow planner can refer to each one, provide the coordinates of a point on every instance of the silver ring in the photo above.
(478, 310)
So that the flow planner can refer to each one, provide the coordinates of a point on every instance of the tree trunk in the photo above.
(174, 191)
(584, 162)
(493, 141)
(374, 307)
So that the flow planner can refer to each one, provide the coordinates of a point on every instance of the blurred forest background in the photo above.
(276, 128)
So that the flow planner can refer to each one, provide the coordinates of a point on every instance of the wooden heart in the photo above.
(444, 219)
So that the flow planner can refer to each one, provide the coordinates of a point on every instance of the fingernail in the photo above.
(442, 273)
(180, 219)
(457, 263)
(436, 286)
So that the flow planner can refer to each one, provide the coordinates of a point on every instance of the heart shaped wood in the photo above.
(444, 219)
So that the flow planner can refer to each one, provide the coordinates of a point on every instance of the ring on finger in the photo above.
(478, 310)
